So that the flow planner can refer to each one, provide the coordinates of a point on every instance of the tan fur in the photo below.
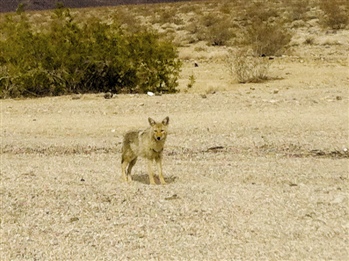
(148, 144)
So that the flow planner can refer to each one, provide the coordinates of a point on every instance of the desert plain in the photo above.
(255, 171)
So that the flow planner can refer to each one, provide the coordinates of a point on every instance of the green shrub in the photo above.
(67, 57)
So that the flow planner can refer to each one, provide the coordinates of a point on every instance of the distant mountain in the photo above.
(11, 5)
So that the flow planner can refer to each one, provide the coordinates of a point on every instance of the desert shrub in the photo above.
(123, 18)
(265, 29)
(192, 81)
(336, 13)
(309, 40)
(267, 38)
(220, 33)
(260, 11)
(246, 67)
(209, 19)
(226, 7)
(163, 14)
(192, 7)
(214, 29)
(298, 9)
(68, 57)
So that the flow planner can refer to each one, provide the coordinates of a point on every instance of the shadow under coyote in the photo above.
(144, 179)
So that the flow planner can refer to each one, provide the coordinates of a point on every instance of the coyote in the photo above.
(148, 144)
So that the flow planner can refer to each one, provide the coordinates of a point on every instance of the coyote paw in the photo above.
(127, 179)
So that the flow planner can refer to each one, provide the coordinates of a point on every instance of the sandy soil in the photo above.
(254, 171)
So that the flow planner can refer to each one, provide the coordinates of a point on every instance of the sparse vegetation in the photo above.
(268, 38)
(265, 27)
(216, 29)
(191, 81)
(261, 11)
(336, 13)
(309, 40)
(246, 67)
(298, 9)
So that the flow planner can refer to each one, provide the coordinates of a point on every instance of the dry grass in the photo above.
(247, 67)
(255, 171)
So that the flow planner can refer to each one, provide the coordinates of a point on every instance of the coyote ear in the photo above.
(151, 122)
(166, 121)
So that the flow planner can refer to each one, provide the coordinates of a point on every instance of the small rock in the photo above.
(339, 199)
(174, 196)
(150, 93)
(76, 96)
(108, 95)
(74, 219)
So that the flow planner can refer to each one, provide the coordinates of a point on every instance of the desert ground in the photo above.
(255, 171)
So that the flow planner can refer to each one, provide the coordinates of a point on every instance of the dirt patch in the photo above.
(247, 177)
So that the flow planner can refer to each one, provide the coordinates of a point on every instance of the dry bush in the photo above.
(215, 29)
(209, 19)
(220, 33)
(127, 20)
(336, 13)
(226, 7)
(165, 14)
(247, 67)
(309, 40)
(261, 11)
(263, 27)
(298, 9)
(268, 38)
(189, 8)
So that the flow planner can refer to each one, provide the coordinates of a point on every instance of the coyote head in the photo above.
(159, 130)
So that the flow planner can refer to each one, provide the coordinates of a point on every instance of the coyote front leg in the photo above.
(161, 176)
(150, 172)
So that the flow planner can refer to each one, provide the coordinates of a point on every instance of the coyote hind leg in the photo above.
(126, 168)
(129, 169)
(123, 169)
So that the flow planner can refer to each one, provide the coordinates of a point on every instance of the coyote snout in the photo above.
(149, 144)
